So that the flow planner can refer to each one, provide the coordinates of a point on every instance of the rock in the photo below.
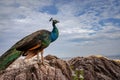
(60, 64)
(96, 68)
(78, 68)
(54, 69)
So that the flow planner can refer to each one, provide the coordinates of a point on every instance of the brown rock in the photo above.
(89, 68)
(60, 64)
(97, 68)
(54, 69)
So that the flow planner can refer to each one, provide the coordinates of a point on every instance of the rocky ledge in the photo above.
(53, 69)
(95, 68)
(78, 68)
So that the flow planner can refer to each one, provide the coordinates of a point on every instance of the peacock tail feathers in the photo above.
(7, 58)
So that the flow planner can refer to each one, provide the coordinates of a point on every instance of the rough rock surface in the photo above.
(79, 68)
(54, 69)
(96, 68)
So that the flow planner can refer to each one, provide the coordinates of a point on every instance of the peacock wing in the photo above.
(29, 42)
(32, 41)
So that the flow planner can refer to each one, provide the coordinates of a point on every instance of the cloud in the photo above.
(77, 31)
(85, 26)
(114, 21)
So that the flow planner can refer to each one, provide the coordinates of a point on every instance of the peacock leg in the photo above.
(42, 58)
(38, 58)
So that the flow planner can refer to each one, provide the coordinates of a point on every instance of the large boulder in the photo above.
(96, 68)
(53, 69)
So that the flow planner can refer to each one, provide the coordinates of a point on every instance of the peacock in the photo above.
(30, 46)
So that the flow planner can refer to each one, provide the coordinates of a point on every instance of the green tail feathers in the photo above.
(9, 57)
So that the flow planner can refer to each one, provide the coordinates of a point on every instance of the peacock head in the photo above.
(54, 21)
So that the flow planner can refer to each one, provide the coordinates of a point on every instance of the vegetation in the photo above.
(78, 74)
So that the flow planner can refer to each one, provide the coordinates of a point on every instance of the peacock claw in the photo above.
(41, 63)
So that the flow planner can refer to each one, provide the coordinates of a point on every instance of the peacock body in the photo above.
(30, 45)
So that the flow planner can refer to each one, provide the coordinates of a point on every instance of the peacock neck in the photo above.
(54, 34)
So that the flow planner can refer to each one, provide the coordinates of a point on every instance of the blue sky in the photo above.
(87, 27)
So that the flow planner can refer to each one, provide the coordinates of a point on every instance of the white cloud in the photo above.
(109, 32)
(77, 31)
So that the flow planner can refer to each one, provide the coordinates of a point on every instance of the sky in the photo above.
(87, 27)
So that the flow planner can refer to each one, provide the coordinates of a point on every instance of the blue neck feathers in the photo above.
(54, 34)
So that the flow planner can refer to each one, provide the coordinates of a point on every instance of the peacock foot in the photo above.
(40, 63)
